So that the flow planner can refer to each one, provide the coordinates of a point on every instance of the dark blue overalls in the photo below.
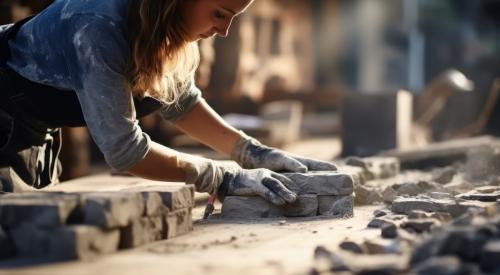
(31, 115)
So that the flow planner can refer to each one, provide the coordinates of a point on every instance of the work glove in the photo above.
(226, 179)
(250, 153)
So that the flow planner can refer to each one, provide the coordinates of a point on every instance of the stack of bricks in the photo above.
(324, 193)
(80, 225)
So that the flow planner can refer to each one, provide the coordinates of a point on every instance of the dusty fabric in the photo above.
(81, 47)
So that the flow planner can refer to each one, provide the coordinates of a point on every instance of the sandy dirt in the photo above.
(216, 246)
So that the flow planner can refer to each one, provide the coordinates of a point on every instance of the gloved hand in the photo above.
(225, 179)
(250, 153)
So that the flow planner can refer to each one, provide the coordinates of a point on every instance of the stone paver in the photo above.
(336, 206)
(236, 207)
(321, 183)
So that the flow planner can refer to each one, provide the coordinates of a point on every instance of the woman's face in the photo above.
(206, 18)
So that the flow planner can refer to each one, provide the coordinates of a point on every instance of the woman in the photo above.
(103, 64)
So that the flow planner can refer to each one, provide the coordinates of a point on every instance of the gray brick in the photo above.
(31, 241)
(336, 206)
(40, 208)
(178, 222)
(112, 209)
(64, 243)
(82, 242)
(174, 196)
(6, 245)
(238, 207)
(406, 205)
(153, 204)
(142, 231)
(321, 183)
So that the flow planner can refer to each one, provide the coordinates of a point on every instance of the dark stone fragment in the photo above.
(379, 222)
(449, 265)
(353, 247)
(381, 212)
(490, 257)
(326, 260)
(420, 225)
(389, 231)
(445, 175)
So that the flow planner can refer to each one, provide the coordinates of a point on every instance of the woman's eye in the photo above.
(219, 15)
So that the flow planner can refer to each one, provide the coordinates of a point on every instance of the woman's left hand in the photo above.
(250, 154)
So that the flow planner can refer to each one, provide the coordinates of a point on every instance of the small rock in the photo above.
(389, 231)
(443, 217)
(418, 214)
(326, 260)
(490, 256)
(445, 175)
(379, 222)
(420, 225)
(381, 212)
(389, 194)
(366, 195)
(448, 265)
(482, 163)
(353, 247)
(383, 246)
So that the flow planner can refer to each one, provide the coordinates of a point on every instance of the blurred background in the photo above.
(332, 78)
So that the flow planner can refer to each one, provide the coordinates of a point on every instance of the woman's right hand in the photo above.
(230, 179)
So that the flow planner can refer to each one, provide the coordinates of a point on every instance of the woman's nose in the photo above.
(223, 28)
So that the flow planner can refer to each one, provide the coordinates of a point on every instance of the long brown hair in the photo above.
(161, 60)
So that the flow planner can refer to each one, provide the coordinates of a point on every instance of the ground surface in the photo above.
(283, 246)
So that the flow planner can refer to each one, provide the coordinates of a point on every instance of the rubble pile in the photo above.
(438, 220)
(58, 226)
(323, 193)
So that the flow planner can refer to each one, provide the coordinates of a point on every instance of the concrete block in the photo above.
(407, 205)
(6, 245)
(39, 208)
(153, 204)
(387, 117)
(109, 210)
(321, 183)
(357, 173)
(30, 240)
(376, 167)
(236, 207)
(82, 242)
(336, 206)
(64, 243)
(174, 196)
(178, 222)
(367, 195)
(142, 231)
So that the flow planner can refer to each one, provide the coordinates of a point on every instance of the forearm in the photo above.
(164, 164)
(160, 163)
(205, 125)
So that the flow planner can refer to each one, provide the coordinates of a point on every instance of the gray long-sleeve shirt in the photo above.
(80, 46)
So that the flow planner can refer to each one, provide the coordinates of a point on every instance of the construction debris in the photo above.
(442, 221)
